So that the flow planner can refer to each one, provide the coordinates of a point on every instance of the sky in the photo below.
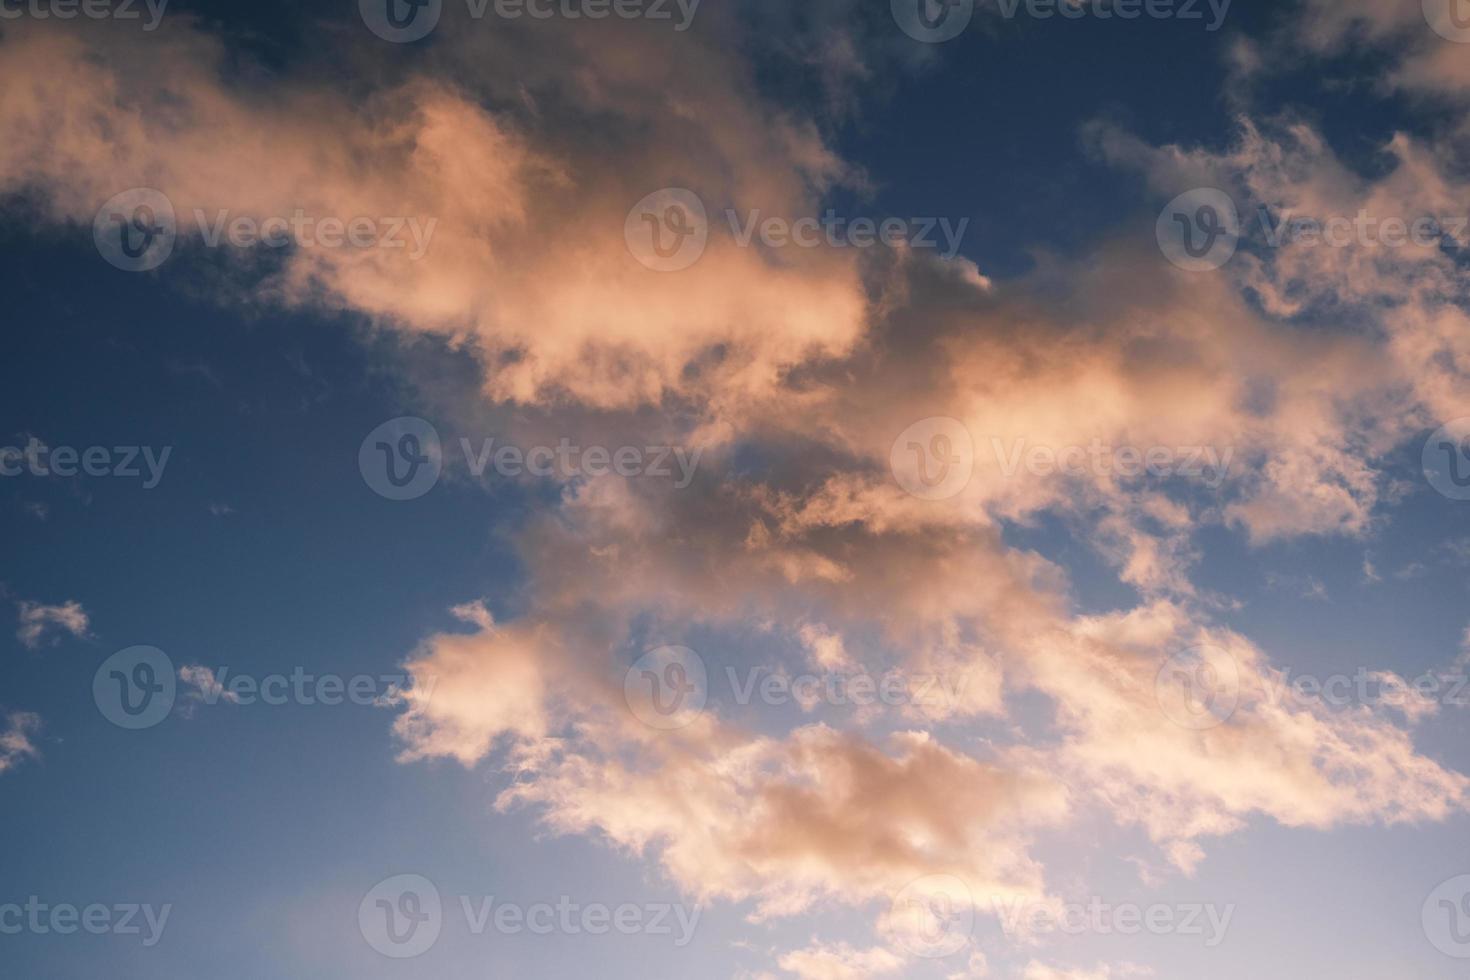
(735, 490)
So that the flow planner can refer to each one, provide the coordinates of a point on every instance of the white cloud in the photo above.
(840, 961)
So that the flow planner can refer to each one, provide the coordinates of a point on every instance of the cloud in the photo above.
(1302, 764)
(797, 374)
(1036, 970)
(16, 742)
(738, 817)
(485, 685)
(1423, 62)
(840, 961)
(729, 814)
(206, 687)
(512, 200)
(1321, 471)
(976, 967)
(42, 625)
(819, 814)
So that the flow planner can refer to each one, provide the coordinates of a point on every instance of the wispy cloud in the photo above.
(16, 743)
(42, 625)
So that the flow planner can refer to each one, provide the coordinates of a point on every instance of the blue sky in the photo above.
(505, 618)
